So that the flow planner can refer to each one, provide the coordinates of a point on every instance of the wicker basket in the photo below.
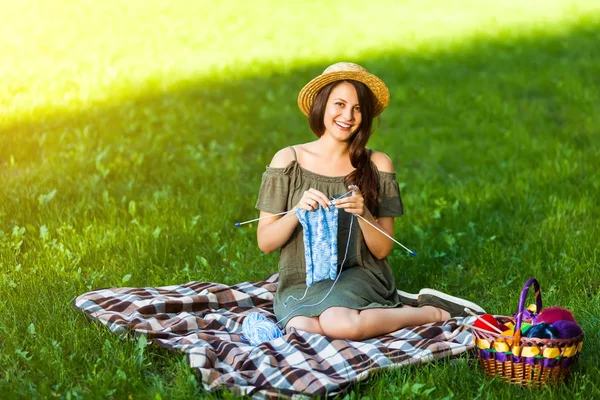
(526, 361)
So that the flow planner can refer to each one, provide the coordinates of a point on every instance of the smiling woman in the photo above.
(341, 104)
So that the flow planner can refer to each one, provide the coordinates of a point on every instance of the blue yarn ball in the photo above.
(542, 331)
(258, 329)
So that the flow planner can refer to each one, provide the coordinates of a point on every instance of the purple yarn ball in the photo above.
(567, 329)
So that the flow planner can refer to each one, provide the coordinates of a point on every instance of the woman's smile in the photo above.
(343, 126)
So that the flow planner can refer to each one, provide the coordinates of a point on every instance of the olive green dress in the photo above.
(365, 282)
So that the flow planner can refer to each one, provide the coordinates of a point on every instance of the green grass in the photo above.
(133, 135)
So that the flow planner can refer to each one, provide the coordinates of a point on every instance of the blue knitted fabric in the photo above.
(320, 243)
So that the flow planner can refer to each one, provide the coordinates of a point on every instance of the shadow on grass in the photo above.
(495, 144)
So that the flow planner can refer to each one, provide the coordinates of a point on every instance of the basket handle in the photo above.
(538, 304)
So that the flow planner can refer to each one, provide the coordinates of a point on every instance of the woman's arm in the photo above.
(379, 245)
(274, 232)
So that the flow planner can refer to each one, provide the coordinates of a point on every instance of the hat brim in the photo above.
(380, 91)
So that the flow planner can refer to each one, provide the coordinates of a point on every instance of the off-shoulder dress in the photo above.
(365, 281)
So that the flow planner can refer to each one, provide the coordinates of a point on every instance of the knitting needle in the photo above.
(412, 253)
(344, 195)
(285, 212)
(486, 331)
(354, 188)
(469, 311)
(258, 219)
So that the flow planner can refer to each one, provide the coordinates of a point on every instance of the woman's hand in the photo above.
(354, 204)
(311, 199)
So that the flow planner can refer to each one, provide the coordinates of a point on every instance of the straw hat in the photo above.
(343, 71)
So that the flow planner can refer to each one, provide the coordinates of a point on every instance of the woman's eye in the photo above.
(357, 108)
(339, 104)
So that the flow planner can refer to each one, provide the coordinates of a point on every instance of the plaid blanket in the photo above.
(204, 321)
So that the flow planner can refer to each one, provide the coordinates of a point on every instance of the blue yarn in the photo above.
(258, 329)
(320, 243)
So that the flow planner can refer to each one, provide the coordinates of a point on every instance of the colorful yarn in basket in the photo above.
(529, 361)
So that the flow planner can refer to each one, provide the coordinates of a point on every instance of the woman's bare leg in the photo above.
(346, 323)
(306, 324)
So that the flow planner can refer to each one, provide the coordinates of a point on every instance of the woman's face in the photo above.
(342, 112)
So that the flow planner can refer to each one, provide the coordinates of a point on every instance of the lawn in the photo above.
(134, 134)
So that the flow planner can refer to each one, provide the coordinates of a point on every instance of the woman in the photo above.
(341, 104)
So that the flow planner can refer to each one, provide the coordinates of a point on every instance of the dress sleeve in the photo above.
(274, 191)
(390, 202)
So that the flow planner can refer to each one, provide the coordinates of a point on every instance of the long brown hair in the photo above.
(365, 174)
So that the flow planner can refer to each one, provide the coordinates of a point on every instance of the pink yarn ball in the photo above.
(552, 314)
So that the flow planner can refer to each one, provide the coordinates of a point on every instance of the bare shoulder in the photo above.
(382, 162)
(283, 158)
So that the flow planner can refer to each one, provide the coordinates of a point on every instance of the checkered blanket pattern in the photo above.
(204, 321)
